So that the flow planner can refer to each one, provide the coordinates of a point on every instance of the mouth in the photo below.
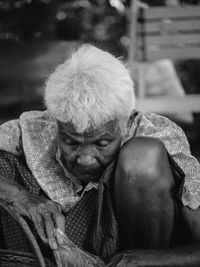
(86, 173)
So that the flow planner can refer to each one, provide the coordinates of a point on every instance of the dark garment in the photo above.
(90, 224)
(13, 169)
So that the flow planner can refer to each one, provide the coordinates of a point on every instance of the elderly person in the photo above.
(110, 177)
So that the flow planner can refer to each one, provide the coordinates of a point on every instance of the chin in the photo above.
(89, 177)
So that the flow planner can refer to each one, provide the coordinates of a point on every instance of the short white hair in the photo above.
(89, 89)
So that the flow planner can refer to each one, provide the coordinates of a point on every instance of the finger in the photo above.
(38, 223)
(49, 227)
(59, 221)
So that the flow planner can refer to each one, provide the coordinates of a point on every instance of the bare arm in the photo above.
(9, 189)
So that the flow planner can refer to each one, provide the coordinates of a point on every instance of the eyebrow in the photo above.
(76, 136)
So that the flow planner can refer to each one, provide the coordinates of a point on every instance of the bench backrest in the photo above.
(167, 32)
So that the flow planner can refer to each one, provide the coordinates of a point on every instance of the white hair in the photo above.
(89, 89)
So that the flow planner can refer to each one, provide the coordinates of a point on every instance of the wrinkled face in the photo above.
(86, 155)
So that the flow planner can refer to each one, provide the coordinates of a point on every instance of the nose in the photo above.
(86, 160)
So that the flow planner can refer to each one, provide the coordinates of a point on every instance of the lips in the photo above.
(86, 173)
(87, 170)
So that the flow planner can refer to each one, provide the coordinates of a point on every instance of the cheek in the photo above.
(68, 152)
(108, 153)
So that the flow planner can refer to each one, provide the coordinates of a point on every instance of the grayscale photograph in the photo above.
(99, 133)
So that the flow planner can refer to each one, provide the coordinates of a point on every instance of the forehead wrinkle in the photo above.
(83, 137)
(107, 130)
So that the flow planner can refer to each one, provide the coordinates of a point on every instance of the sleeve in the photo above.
(11, 137)
(177, 145)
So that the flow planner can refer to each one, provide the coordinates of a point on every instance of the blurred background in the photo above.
(37, 35)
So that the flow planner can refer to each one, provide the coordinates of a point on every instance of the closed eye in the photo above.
(102, 142)
(71, 142)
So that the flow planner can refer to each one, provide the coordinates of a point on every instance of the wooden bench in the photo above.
(158, 33)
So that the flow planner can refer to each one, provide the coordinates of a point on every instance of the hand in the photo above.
(68, 254)
(45, 214)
